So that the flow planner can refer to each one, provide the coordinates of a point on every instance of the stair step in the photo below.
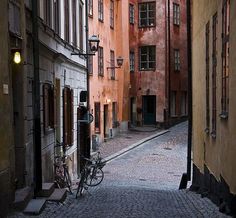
(35, 207)
(47, 190)
(59, 195)
(22, 198)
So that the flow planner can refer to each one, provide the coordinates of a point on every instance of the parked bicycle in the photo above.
(92, 173)
(62, 176)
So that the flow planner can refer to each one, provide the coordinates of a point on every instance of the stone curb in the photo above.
(125, 150)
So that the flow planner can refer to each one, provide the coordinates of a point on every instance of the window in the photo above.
(176, 14)
(147, 14)
(97, 117)
(114, 115)
(177, 60)
(74, 23)
(14, 17)
(49, 115)
(81, 32)
(131, 14)
(112, 62)
(131, 60)
(90, 7)
(184, 103)
(207, 79)
(147, 58)
(100, 62)
(225, 59)
(173, 104)
(90, 64)
(66, 10)
(100, 10)
(68, 116)
(56, 16)
(112, 14)
(47, 12)
(214, 65)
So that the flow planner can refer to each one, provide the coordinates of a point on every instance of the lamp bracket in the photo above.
(83, 54)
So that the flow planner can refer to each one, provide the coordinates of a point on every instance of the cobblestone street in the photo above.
(141, 183)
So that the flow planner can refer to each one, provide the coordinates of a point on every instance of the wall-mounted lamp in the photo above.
(93, 42)
(119, 61)
(16, 55)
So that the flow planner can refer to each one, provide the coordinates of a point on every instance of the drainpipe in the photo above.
(169, 62)
(36, 102)
(189, 53)
(87, 73)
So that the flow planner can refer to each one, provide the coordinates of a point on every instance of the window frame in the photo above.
(81, 30)
(112, 8)
(148, 47)
(131, 14)
(56, 18)
(176, 14)
(132, 61)
(97, 117)
(214, 75)
(112, 64)
(74, 23)
(66, 21)
(177, 60)
(49, 104)
(147, 23)
(90, 8)
(100, 61)
(100, 10)
(225, 59)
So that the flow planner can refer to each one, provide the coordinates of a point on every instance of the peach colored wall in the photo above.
(103, 88)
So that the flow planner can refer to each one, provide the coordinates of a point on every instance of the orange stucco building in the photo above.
(109, 87)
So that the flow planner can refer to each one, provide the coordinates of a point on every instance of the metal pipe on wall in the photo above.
(36, 102)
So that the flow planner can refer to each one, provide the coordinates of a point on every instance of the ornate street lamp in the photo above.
(119, 61)
(93, 42)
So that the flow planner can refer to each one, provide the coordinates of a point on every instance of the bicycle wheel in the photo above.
(67, 179)
(81, 184)
(95, 177)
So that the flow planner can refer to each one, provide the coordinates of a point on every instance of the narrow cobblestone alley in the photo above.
(141, 183)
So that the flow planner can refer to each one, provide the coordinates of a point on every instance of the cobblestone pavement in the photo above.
(142, 183)
(123, 140)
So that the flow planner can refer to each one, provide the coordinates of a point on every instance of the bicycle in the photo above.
(62, 176)
(92, 174)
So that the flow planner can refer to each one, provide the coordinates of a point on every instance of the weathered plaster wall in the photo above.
(6, 139)
(102, 88)
(217, 154)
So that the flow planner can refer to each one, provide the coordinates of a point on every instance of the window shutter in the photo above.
(71, 116)
(65, 117)
(45, 107)
(54, 107)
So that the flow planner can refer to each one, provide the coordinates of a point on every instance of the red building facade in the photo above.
(158, 62)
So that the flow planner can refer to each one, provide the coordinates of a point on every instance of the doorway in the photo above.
(149, 110)
(105, 125)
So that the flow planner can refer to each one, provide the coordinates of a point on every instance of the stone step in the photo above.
(47, 190)
(59, 195)
(35, 207)
(22, 198)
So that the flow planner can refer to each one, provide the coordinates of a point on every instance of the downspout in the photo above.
(189, 53)
(169, 62)
(87, 73)
(36, 102)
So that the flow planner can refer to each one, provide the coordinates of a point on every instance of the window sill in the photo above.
(224, 115)
(48, 130)
(147, 26)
